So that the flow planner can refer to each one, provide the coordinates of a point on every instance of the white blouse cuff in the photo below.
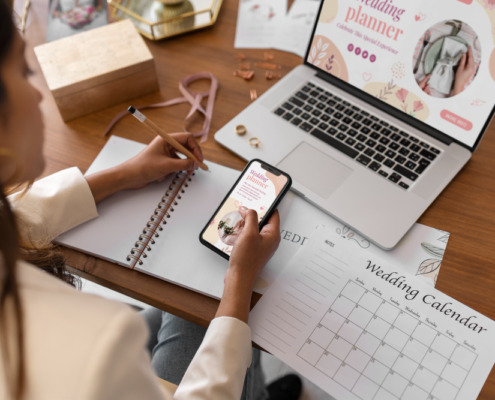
(53, 205)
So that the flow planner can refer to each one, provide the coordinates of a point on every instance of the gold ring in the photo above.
(240, 130)
(254, 141)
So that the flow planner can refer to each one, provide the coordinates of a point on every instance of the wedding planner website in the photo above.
(433, 60)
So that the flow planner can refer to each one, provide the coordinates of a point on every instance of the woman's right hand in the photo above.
(253, 248)
(251, 252)
(152, 164)
(465, 70)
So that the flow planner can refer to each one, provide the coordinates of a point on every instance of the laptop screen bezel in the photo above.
(385, 107)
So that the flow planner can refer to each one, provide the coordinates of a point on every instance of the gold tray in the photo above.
(156, 20)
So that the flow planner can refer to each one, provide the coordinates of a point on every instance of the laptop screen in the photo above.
(432, 60)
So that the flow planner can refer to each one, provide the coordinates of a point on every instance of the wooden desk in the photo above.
(466, 208)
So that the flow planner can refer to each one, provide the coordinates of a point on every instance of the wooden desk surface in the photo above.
(466, 208)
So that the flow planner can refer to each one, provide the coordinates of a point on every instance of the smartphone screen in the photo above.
(260, 187)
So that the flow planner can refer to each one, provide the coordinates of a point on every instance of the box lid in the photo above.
(90, 58)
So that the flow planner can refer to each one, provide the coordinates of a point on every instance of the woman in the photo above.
(57, 343)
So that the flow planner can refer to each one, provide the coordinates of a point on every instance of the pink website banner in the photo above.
(433, 60)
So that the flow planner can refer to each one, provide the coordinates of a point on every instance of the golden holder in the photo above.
(157, 19)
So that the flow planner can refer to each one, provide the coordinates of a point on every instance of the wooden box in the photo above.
(96, 69)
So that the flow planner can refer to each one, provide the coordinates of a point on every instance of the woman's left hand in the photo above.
(152, 164)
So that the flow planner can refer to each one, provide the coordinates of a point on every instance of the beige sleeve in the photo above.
(52, 206)
(218, 369)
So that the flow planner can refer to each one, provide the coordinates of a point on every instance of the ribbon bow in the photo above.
(447, 62)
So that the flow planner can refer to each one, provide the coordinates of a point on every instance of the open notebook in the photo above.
(177, 255)
(130, 220)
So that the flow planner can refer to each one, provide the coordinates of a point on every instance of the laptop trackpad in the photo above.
(315, 170)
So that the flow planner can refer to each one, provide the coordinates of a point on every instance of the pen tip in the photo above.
(131, 109)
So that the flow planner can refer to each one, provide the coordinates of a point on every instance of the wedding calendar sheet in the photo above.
(362, 329)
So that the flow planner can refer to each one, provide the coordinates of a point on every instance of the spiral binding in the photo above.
(159, 218)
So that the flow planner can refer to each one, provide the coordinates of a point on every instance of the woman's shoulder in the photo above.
(87, 339)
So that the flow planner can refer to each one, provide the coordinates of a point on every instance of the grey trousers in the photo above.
(173, 342)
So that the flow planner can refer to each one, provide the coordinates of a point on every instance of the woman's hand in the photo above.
(152, 164)
(253, 248)
(251, 252)
(465, 70)
(160, 159)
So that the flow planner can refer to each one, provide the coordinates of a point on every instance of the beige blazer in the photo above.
(81, 346)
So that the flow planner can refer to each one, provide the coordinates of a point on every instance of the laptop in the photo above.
(377, 120)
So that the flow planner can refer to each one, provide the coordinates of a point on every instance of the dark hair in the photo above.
(9, 245)
(6, 39)
(12, 249)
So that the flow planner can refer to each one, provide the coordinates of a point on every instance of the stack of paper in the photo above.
(267, 24)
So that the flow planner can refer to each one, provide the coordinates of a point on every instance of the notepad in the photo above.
(128, 221)
(155, 229)
(360, 329)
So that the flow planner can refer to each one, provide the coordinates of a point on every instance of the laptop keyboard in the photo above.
(390, 152)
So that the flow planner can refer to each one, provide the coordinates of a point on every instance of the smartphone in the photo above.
(260, 187)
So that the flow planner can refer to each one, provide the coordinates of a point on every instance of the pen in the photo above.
(170, 140)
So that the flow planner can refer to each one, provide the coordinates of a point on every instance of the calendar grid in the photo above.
(377, 351)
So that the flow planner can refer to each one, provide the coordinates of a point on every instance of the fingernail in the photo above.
(243, 209)
(196, 165)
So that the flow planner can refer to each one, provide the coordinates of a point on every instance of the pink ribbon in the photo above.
(193, 98)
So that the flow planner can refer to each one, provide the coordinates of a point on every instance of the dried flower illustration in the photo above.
(402, 94)
(418, 106)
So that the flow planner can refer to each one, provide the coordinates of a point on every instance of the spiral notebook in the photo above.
(155, 229)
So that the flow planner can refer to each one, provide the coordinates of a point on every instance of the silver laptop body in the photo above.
(363, 197)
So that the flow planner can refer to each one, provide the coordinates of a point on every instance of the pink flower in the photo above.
(402, 94)
(490, 4)
(417, 106)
